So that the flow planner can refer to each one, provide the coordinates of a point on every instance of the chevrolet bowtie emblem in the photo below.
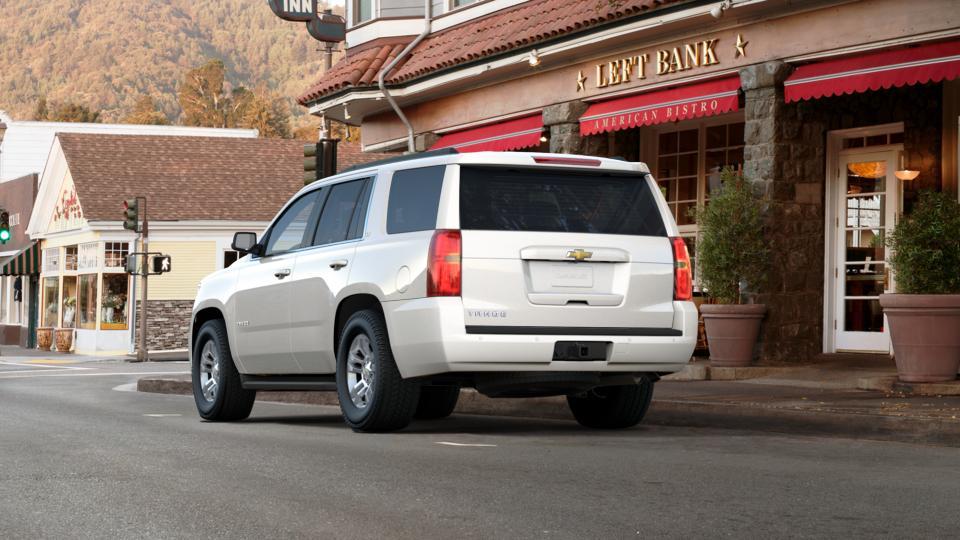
(579, 254)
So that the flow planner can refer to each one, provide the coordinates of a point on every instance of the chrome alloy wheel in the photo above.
(360, 371)
(209, 371)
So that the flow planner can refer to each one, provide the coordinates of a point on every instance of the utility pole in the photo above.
(142, 355)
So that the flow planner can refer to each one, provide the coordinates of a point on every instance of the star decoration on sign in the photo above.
(581, 80)
(741, 46)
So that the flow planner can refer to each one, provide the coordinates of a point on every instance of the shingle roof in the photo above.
(522, 26)
(183, 178)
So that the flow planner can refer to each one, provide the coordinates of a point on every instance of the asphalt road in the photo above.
(81, 458)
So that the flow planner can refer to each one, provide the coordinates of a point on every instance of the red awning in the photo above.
(508, 135)
(691, 101)
(873, 71)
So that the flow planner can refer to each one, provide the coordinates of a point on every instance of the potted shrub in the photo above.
(924, 315)
(731, 255)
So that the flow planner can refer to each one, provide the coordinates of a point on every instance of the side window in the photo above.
(338, 213)
(414, 198)
(288, 233)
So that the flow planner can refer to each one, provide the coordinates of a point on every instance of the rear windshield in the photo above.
(499, 199)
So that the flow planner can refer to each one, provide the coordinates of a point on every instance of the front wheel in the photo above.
(217, 390)
(612, 407)
(372, 394)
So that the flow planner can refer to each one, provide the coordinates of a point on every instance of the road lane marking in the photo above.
(48, 374)
(35, 365)
(162, 415)
(49, 361)
(446, 443)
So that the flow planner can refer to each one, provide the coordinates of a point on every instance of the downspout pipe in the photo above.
(427, 21)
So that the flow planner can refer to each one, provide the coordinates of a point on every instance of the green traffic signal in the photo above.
(4, 227)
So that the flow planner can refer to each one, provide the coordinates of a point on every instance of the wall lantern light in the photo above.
(905, 174)
(534, 58)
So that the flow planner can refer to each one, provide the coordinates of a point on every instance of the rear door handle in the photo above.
(338, 264)
(282, 273)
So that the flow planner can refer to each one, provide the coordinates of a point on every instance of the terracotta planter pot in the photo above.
(732, 331)
(44, 338)
(64, 339)
(925, 331)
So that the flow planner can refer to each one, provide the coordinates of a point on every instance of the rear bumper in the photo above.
(428, 337)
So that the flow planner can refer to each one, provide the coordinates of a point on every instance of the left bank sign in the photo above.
(294, 10)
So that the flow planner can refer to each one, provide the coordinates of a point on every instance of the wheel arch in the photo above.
(350, 305)
(202, 316)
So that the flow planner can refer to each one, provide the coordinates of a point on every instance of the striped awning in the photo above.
(500, 137)
(26, 262)
(874, 71)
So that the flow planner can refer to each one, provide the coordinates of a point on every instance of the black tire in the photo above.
(437, 402)
(390, 401)
(612, 407)
(230, 401)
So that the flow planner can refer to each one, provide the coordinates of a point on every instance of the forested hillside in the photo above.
(108, 54)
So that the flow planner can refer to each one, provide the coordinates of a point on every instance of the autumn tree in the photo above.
(202, 98)
(145, 112)
(266, 112)
(64, 112)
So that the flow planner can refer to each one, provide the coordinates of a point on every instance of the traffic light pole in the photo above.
(142, 355)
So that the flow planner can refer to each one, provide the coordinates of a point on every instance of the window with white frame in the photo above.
(689, 158)
(115, 254)
(51, 260)
(89, 256)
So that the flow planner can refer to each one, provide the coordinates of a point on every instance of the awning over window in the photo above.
(27, 262)
(508, 135)
(691, 101)
(873, 71)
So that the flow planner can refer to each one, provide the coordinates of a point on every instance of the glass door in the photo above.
(868, 200)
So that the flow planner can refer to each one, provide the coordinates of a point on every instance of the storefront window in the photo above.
(51, 297)
(87, 301)
(113, 314)
(89, 257)
(115, 254)
(69, 301)
(70, 258)
(678, 160)
(51, 260)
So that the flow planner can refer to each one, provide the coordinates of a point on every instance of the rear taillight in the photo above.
(582, 162)
(443, 264)
(682, 275)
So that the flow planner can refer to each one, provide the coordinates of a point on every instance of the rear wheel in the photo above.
(217, 390)
(372, 394)
(612, 407)
(437, 402)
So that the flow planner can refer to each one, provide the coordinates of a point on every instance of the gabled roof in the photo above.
(524, 25)
(183, 178)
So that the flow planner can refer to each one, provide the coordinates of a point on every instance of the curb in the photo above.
(680, 413)
(893, 384)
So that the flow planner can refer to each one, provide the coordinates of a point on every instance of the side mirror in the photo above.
(245, 242)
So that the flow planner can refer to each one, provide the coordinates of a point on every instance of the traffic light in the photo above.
(319, 160)
(131, 215)
(4, 227)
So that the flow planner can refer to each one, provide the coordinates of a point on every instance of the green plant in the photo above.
(731, 248)
(925, 247)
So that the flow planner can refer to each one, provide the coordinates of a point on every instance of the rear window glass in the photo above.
(497, 199)
(414, 198)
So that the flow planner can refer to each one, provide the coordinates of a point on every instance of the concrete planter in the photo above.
(44, 338)
(925, 331)
(64, 339)
(732, 330)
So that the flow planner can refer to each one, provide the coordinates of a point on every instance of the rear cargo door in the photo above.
(561, 251)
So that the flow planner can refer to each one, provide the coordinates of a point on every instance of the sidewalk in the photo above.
(816, 399)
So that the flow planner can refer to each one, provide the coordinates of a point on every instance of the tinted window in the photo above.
(288, 232)
(338, 213)
(414, 198)
(497, 199)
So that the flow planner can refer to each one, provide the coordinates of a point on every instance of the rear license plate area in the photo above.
(573, 275)
(580, 351)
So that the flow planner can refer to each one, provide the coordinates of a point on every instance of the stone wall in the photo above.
(785, 158)
(168, 324)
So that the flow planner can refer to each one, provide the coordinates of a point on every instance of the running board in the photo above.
(289, 383)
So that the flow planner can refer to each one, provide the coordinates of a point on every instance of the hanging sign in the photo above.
(294, 10)
(328, 28)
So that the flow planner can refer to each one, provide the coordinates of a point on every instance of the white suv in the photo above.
(398, 283)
